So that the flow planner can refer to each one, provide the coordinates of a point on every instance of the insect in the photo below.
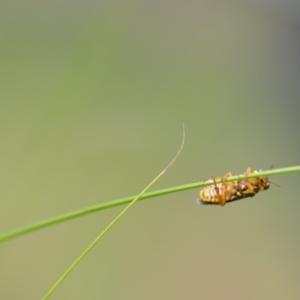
(221, 193)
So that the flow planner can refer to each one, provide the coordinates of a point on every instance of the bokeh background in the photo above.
(93, 94)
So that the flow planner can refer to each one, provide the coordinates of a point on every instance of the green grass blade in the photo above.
(75, 214)
(118, 217)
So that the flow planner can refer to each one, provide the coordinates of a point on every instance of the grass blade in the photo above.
(85, 211)
(117, 218)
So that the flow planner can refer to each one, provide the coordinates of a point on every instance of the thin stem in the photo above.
(117, 218)
(82, 212)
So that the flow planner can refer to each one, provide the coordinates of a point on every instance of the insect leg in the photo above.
(218, 195)
(226, 192)
(251, 189)
(248, 171)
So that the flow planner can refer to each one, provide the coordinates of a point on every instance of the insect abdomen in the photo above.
(212, 194)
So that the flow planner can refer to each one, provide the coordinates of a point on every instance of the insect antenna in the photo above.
(274, 183)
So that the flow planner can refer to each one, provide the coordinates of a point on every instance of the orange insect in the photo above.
(221, 193)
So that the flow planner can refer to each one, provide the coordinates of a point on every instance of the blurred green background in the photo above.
(92, 99)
